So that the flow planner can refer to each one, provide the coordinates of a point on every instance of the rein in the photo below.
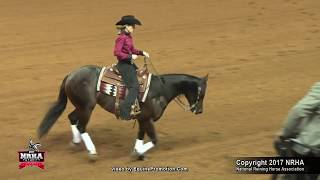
(188, 107)
(184, 106)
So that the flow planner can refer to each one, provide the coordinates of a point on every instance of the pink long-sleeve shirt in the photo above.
(124, 48)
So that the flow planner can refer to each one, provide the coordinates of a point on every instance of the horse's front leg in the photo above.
(151, 132)
(145, 126)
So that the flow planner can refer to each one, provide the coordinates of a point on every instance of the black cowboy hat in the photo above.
(128, 20)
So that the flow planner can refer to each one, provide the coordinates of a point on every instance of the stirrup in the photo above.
(135, 109)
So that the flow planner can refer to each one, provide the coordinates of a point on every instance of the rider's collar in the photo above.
(126, 33)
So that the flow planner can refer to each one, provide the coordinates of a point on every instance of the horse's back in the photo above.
(84, 72)
(82, 82)
(87, 69)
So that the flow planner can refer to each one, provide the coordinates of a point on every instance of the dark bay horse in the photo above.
(80, 88)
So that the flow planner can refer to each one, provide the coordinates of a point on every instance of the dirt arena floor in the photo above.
(262, 57)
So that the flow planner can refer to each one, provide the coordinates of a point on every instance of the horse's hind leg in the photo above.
(74, 119)
(84, 116)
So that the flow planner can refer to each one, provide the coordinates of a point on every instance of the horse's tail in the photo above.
(54, 112)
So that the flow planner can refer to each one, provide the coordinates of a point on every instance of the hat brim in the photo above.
(129, 22)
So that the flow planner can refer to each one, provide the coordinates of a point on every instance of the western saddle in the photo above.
(110, 83)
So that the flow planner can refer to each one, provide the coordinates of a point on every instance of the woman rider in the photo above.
(126, 54)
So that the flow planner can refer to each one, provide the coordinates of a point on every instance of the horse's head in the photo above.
(196, 95)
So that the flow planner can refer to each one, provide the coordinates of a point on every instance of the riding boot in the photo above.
(124, 111)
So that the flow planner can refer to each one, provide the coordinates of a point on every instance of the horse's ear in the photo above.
(206, 77)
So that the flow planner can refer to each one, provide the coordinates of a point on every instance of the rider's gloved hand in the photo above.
(146, 54)
(134, 56)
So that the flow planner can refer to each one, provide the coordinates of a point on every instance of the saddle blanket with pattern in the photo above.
(110, 83)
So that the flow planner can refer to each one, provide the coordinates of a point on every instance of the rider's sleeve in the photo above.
(136, 51)
(305, 108)
(118, 49)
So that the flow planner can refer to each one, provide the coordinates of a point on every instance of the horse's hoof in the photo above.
(141, 158)
(75, 146)
(135, 156)
(93, 157)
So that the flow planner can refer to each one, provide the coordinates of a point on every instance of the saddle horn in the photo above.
(206, 77)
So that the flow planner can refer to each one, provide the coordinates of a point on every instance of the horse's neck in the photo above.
(178, 84)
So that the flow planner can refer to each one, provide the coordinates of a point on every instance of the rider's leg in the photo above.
(128, 74)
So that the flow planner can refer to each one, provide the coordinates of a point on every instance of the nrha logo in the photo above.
(32, 157)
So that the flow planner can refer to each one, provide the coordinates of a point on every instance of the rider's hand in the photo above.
(134, 56)
(280, 146)
(146, 54)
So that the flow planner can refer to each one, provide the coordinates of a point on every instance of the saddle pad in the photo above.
(110, 84)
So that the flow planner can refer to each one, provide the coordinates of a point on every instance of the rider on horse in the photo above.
(300, 135)
(80, 88)
(303, 121)
(126, 54)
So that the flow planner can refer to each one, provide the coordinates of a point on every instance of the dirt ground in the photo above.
(262, 57)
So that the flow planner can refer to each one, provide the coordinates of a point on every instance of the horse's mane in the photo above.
(176, 76)
(179, 74)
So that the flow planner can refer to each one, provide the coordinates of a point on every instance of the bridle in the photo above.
(184, 106)
(188, 107)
